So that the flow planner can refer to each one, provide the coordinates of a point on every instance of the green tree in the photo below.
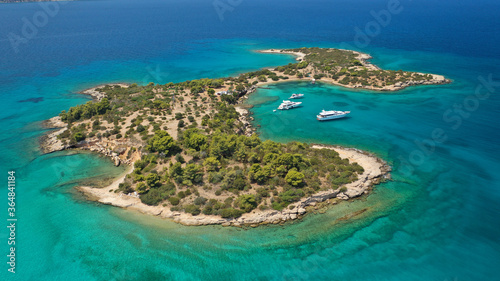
(231, 213)
(192, 209)
(281, 170)
(181, 124)
(291, 195)
(141, 188)
(152, 197)
(163, 143)
(240, 88)
(79, 136)
(216, 83)
(140, 128)
(246, 202)
(302, 65)
(294, 177)
(208, 210)
(103, 106)
(176, 172)
(196, 90)
(211, 164)
(193, 174)
(196, 141)
(153, 180)
(174, 200)
(200, 201)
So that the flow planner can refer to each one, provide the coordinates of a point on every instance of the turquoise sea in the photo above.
(439, 219)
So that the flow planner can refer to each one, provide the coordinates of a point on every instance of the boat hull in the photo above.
(321, 118)
(288, 107)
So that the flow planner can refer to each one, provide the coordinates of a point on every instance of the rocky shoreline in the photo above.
(375, 171)
(49, 142)
(115, 150)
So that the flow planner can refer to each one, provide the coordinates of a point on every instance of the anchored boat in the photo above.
(297, 96)
(286, 104)
(331, 114)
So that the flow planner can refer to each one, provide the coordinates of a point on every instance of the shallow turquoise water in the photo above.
(436, 197)
(408, 226)
(438, 221)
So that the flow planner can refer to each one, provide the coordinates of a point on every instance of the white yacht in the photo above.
(286, 104)
(297, 96)
(331, 114)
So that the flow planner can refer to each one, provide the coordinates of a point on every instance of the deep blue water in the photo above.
(438, 220)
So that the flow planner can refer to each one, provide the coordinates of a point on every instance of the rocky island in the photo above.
(195, 158)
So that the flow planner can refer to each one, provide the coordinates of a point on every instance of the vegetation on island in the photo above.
(210, 166)
(198, 156)
(346, 68)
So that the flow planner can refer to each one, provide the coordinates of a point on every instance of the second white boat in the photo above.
(286, 104)
(297, 96)
(331, 115)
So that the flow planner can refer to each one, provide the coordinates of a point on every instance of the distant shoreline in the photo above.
(30, 1)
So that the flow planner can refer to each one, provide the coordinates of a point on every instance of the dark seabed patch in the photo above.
(33, 100)
(265, 100)
(362, 107)
(340, 104)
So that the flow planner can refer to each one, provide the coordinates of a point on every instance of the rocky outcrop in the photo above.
(50, 141)
(113, 149)
(245, 118)
(108, 149)
(436, 80)
(98, 95)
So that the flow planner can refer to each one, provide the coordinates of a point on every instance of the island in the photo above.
(193, 155)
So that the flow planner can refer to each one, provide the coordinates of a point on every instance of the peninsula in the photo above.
(195, 158)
